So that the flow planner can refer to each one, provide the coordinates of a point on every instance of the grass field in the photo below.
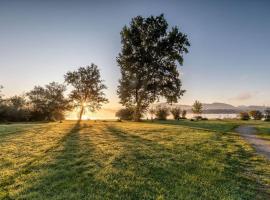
(128, 160)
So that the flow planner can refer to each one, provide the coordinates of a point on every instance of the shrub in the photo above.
(244, 116)
(125, 114)
(256, 114)
(267, 114)
(176, 112)
(162, 112)
(184, 113)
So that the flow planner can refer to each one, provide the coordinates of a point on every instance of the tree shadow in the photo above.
(71, 175)
(165, 171)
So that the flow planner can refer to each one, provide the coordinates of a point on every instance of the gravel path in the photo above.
(249, 133)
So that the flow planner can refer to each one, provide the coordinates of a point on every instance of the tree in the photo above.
(49, 102)
(87, 90)
(267, 114)
(124, 114)
(162, 112)
(176, 112)
(256, 114)
(197, 108)
(184, 113)
(14, 109)
(148, 63)
(244, 116)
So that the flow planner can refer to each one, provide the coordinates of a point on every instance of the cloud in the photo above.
(243, 96)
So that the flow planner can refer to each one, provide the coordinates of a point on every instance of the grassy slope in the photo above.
(110, 160)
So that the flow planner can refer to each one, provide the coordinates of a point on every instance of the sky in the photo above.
(228, 60)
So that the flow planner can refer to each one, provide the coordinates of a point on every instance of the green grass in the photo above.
(128, 160)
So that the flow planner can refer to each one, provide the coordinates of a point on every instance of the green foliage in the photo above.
(125, 114)
(88, 88)
(176, 112)
(49, 102)
(162, 112)
(256, 114)
(267, 114)
(244, 116)
(197, 107)
(14, 109)
(148, 63)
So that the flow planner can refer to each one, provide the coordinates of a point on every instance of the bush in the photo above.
(256, 114)
(184, 113)
(162, 112)
(125, 114)
(267, 114)
(14, 109)
(176, 112)
(244, 116)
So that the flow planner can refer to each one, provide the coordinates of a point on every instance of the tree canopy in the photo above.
(197, 107)
(87, 90)
(148, 63)
(49, 102)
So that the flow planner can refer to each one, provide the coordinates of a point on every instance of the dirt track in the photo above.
(249, 133)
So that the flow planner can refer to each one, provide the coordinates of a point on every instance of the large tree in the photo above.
(148, 63)
(49, 102)
(88, 88)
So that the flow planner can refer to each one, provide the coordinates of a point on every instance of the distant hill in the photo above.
(221, 108)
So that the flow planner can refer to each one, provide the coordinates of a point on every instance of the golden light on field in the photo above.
(104, 113)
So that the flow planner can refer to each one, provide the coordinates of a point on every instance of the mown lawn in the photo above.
(128, 160)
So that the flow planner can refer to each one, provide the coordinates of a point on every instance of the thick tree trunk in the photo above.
(81, 113)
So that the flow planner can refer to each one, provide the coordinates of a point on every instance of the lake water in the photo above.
(215, 116)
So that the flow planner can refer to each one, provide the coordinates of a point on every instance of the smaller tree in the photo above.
(267, 114)
(197, 108)
(244, 116)
(184, 113)
(256, 114)
(49, 102)
(176, 112)
(162, 112)
(125, 114)
(87, 90)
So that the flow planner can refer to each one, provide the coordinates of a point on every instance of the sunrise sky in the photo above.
(228, 61)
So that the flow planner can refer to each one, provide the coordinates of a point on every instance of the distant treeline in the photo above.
(49, 102)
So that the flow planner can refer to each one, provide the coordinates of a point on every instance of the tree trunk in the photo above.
(137, 113)
(81, 113)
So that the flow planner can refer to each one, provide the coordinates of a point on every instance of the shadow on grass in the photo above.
(70, 175)
(172, 172)
(218, 126)
(144, 169)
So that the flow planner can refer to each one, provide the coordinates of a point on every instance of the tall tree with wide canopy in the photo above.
(148, 63)
(88, 88)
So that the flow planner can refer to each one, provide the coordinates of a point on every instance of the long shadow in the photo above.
(28, 166)
(165, 168)
(71, 174)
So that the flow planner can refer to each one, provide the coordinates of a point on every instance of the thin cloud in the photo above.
(243, 96)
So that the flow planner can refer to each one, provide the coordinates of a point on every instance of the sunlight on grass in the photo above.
(127, 160)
